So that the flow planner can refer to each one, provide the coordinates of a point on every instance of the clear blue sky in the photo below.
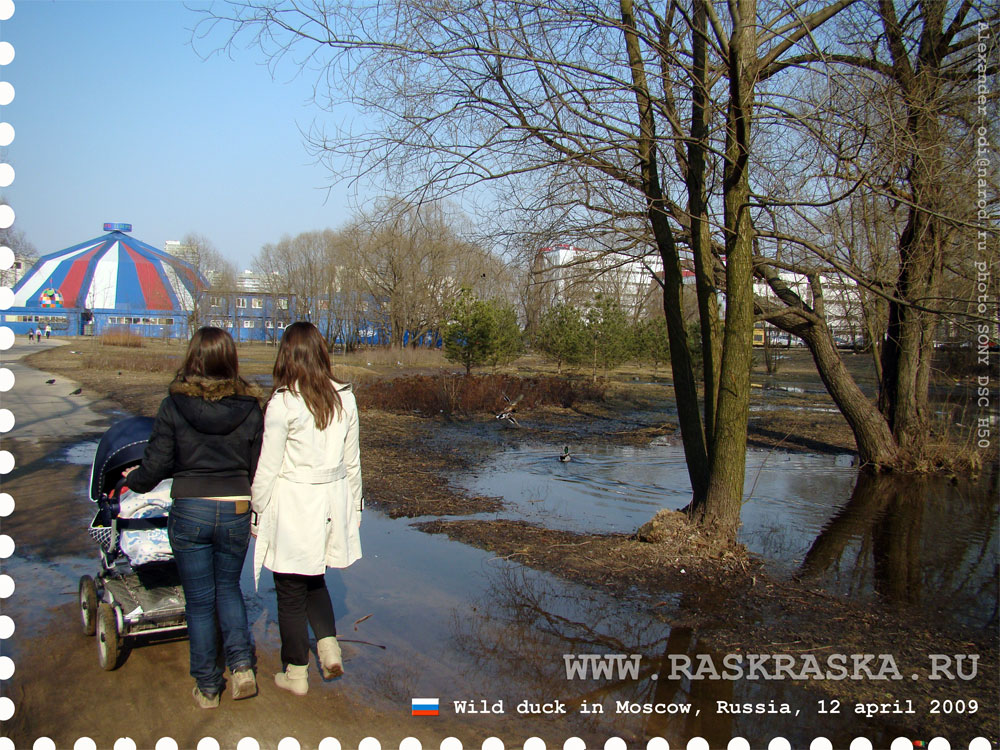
(118, 119)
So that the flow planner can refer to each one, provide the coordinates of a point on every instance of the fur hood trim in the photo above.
(212, 389)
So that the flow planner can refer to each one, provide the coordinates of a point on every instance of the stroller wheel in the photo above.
(109, 644)
(88, 605)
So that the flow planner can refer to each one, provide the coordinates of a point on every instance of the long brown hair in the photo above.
(211, 354)
(303, 367)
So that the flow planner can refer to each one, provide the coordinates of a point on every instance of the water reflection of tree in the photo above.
(524, 625)
(915, 541)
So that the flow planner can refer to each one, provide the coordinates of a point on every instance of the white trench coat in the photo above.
(307, 489)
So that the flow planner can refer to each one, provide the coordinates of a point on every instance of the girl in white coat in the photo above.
(307, 497)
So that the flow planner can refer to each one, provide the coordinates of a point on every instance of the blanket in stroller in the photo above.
(149, 545)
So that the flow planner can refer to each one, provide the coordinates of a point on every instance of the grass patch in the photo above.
(121, 337)
(132, 361)
(459, 394)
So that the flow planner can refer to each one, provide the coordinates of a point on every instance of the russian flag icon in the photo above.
(425, 706)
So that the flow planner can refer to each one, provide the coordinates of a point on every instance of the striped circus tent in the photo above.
(111, 280)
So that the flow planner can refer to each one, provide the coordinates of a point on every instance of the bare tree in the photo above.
(414, 262)
(25, 255)
(896, 143)
(199, 252)
(587, 99)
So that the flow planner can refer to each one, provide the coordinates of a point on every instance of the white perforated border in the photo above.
(7, 625)
(7, 665)
(494, 743)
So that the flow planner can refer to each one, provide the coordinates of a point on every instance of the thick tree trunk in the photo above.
(723, 502)
(877, 448)
(907, 350)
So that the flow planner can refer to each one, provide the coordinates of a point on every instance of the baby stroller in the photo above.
(138, 590)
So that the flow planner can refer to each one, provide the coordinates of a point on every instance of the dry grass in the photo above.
(389, 359)
(453, 394)
(689, 542)
(131, 361)
(121, 337)
(948, 451)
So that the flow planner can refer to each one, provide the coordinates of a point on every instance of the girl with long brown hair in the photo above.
(307, 497)
(207, 436)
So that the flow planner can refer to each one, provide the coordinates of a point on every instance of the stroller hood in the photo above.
(121, 446)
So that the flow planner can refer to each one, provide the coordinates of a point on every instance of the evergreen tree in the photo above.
(608, 334)
(481, 332)
(562, 335)
(651, 342)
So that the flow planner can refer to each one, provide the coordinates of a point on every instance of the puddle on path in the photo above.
(80, 454)
(444, 620)
(454, 623)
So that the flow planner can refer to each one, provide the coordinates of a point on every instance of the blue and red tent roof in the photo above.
(113, 272)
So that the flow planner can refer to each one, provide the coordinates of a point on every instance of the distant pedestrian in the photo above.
(48, 331)
(31, 334)
(38, 335)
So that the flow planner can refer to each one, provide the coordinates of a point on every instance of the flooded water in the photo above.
(421, 615)
(926, 543)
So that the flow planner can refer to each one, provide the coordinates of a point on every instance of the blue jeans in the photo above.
(209, 540)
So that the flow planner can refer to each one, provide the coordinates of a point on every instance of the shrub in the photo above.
(481, 331)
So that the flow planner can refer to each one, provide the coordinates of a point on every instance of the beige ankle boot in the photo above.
(294, 679)
(329, 657)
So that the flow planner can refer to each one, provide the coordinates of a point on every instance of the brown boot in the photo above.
(244, 684)
(203, 700)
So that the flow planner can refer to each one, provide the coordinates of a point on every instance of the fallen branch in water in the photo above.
(366, 643)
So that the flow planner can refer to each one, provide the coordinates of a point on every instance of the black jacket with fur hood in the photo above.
(207, 436)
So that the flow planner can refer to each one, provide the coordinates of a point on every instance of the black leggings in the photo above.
(301, 599)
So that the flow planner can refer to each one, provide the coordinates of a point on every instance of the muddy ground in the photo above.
(729, 600)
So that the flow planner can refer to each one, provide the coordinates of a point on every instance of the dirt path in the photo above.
(58, 689)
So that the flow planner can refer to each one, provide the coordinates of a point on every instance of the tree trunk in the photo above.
(723, 501)
(877, 448)
(685, 385)
(708, 305)
(907, 350)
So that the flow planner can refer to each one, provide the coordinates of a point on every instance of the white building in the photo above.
(186, 253)
(841, 302)
(248, 281)
(568, 274)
